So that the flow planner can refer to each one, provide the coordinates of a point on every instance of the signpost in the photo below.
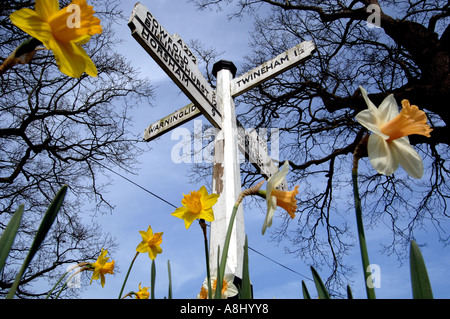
(177, 60)
(272, 68)
(250, 144)
(255, 149)
(183, 115)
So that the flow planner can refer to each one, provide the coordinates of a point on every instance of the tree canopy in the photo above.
(387, 47)
(57, 130)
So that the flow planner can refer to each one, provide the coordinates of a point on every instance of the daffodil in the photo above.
(142, 293)
(279, 198)
(388, 146)
(203, 294)
(102, 267)
(228, 288)
(62, 31)
(196, 205)
(150, 243)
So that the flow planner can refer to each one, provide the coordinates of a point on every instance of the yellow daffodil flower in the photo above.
(150, 243)
(102, 267)
(279, 198)
(228, 287)
(389, 146)
(142, 293)
(62, 31)
(196, 205)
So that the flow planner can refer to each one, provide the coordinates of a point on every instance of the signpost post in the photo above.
(173, 55)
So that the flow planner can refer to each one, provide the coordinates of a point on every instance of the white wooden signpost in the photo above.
(272, 68)
(177, 60)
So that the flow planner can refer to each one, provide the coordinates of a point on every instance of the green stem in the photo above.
(82, 266)
(362, 238)
(126, 277)
(153, 277)
(169, 295)
(65, 284)
(60, 279)
(208, 273)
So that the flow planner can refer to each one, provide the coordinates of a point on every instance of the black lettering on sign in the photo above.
(187, 51)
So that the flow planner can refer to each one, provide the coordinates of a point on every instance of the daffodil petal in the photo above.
(277, 178)
(271, 207)
(231, 291)
(69, 62)
(179, 212)
(90, 68)
(189, 219)
(102, 280)
(143, 234)
(203, 191)
(368, 119)
(369, 103)
(46, 8)
(408, 157)
(142, 247)
(380, 155)
(149, 231)
(388, 109)
(207, 215)
(153, 251)
(29, 21)
(209, 201)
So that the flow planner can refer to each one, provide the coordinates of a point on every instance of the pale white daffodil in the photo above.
(388, 146)
(276, 198)
(228, 287)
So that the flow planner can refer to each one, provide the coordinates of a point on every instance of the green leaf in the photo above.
(8, 236)
(321, 290)
(218, 291)
(349, 292)
(420, 282)
(305, 291)
(44, 227)
(246, 290)
(223, 261)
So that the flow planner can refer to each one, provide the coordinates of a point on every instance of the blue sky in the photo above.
(136, 210)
